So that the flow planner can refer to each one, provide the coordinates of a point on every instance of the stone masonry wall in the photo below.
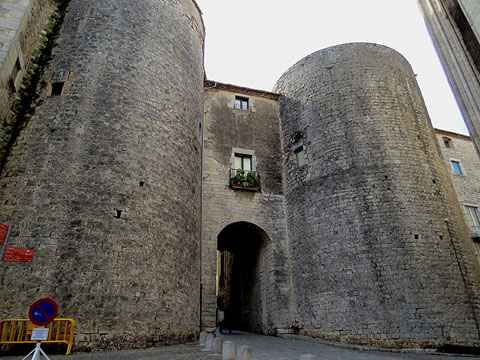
(373, 258)
(255, 129)
(466, 185)
(104, 182)
(21, 23)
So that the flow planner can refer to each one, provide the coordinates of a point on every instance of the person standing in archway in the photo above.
(220, 317)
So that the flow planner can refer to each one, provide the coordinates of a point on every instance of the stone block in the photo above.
(309, 357)
(217, 345)
(244, 353)
(228, 350)
(203, 336)
(209, 341)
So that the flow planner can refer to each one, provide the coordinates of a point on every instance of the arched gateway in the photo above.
(242, 280)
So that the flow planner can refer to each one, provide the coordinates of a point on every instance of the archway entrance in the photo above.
(243, 262)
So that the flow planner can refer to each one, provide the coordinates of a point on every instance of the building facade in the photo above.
(463, 164)
(153, 196)
(454, 27)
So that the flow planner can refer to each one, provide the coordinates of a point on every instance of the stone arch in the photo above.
(244, 261)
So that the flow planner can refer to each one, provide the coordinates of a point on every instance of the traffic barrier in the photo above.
(18, 331)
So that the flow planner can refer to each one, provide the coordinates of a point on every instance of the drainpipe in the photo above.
(201, 200)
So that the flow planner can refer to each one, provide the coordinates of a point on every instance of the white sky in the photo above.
(252, 43)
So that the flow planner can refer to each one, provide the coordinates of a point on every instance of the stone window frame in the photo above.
(16, 73)
(467, 207)
(59, 77)
(241, 102)
(460, 166)
(447, 142)
(246, 153)
(300, 148)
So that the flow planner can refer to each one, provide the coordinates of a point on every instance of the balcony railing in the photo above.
(475, 233)
(245, 180)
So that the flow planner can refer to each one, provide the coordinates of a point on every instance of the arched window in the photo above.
(447, 142)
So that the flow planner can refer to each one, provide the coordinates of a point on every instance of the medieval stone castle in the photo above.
(152, 195)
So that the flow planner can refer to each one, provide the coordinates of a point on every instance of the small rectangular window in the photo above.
(447, 142)
(16, 69)
(300, 155)
(243, 162)
(474, 215)
(241, 103)
(457, 170)
(57, 88)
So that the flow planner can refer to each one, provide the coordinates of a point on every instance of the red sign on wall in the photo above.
(13, 254)
(10, 253)
(3, 233)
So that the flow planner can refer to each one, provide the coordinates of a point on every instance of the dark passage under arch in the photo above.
(242, 276)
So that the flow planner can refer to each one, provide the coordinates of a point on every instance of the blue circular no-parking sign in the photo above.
(43, 311)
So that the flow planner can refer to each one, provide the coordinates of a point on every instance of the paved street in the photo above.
(274, 348)
(264, 348)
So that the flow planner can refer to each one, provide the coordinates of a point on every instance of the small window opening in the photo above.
(447, 142)
(457, 170)
(416, 236)
(119, 214)
(11, 85)
(57, 88)
(300, 156)
(241, 103)
(16, 69)
(141, 183)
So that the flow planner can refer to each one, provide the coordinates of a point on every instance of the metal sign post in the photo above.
(10, 253)
(38, 334)
(42, 312)
(4, 235)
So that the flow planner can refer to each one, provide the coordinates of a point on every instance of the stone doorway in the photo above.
(243, 268)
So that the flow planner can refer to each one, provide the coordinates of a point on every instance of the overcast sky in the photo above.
(252, 43)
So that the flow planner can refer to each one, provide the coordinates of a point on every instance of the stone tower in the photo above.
(104, 181)
(378, 245)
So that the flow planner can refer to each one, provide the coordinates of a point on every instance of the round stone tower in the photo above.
(380, 251)
(104, 181)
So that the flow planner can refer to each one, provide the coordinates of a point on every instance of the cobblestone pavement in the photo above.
(275, 348)
(175, 352)
(264, 348)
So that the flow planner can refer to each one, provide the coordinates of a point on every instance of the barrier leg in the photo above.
(37, 353)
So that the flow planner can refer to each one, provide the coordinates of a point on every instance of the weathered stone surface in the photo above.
(244, 353)
(364, 243)
(466, 185)
(228, 350)
(252, 222)
(461, 149)
(209, 341)
(21, 23)
(104, 182)
(217, 345)
(308, 357)
(203, 337)
(373, 259)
